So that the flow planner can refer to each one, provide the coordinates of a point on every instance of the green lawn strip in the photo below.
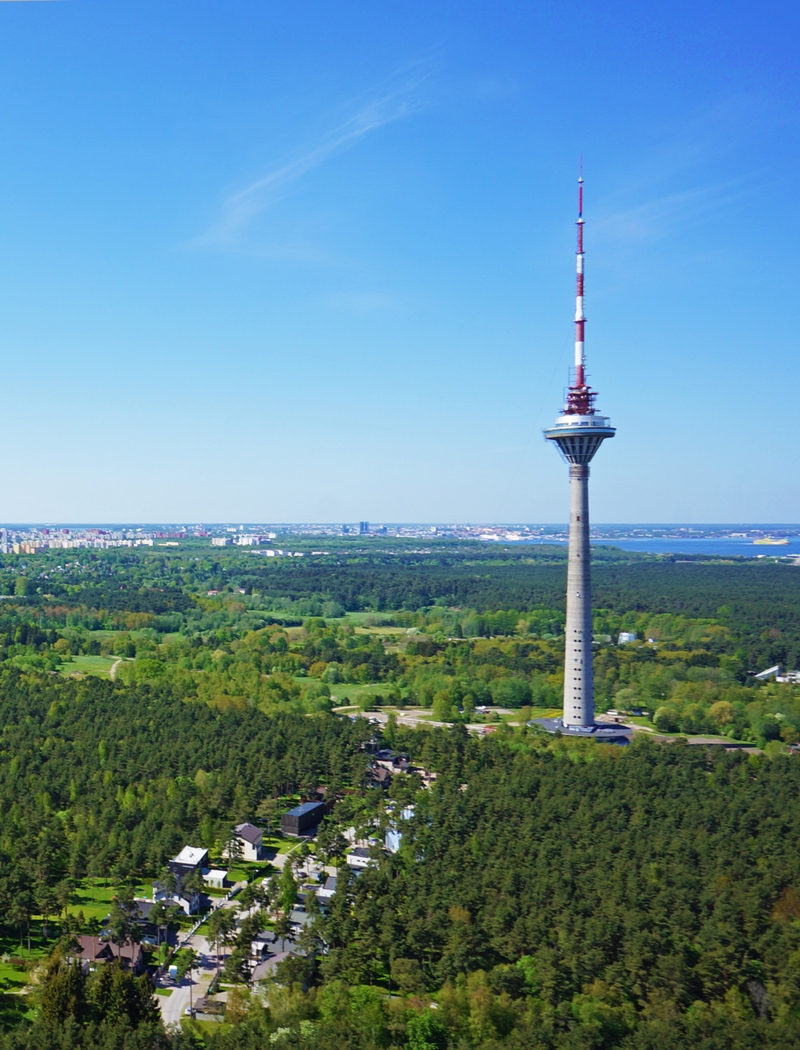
(350, 693)
(287, 845)
(279, 843)
(94, 665)
(94, 898)
(386, 632)
(11, 948)
(251, 871)
(12, 978)
(164, 991)
(356, 619)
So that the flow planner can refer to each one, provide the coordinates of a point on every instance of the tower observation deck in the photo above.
(579, 432)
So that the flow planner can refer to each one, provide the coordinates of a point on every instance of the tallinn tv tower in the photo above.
(579, 431)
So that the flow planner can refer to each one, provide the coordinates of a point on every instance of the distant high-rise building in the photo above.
(579, 432)
(363, 528)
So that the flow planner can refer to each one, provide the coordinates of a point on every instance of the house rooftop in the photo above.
(249, 832)
(93, 949)
(192, 855)
(306, 807)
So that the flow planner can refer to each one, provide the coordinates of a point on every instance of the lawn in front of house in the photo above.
(94, 898)
(15, 1004)
(13, 979)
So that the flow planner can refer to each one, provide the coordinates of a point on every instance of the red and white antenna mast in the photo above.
(580, 399)
(580, 320)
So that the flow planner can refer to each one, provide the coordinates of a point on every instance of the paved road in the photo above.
(173, 1007)
(416, 718)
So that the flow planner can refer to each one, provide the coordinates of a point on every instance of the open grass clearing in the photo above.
(204, 1025)
(99, 666)
(279, 843)
(350, 692)
(13, 979)
(389, 631)
(94, 898)
(12, 947)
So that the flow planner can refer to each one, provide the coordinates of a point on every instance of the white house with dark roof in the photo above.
(250, 838)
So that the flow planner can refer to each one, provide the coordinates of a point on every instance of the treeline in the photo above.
(689, 675)
(757, 603)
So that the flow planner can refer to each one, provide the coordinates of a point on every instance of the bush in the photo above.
(666, 719)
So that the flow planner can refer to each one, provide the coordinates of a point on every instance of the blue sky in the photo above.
(310, 261)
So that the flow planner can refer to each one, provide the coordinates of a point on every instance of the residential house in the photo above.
(262, 946)
(188, 860)
(249, 838)
(379, 775)
(326, 892)
(191, 859)
(215, 878)
(303, 819)
(266, 944)
(394, 834)
(395, 763)
(91, 952)
(149, 932)
(359, 859)
(188, 901)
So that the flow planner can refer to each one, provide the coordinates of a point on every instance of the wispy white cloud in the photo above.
(675, 183)
(658, 217)
(392, 101)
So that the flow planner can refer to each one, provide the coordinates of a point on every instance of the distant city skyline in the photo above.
(315, 263)
(278, 540)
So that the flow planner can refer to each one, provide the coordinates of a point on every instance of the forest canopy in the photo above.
(546, 894)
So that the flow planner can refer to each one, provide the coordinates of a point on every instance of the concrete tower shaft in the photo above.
(578, 669)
